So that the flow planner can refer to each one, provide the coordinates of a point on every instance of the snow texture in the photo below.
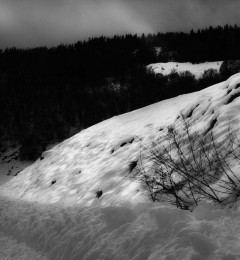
(144, 231)
(52, 206)
(196, 69)
(10, 249)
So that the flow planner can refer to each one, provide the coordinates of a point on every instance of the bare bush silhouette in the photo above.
(184, 167)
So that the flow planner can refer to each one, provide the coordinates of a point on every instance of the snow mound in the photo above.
(98, 158)
(196, 69)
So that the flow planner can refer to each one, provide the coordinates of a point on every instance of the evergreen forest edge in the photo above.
(49, 94)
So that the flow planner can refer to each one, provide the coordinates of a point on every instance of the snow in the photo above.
(144, 231)
(98, 158)
(51, 206)
(10, 249)
(196, 69)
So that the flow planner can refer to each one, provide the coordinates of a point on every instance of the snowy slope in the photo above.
(98, 158)
(196, 69)
(52, 206)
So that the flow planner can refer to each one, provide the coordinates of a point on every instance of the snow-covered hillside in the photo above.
(98, 158)
(196, 69)
(52, 205)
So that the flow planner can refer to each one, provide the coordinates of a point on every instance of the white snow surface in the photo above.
(196, 69)
(11, 249)
(51, 206)
(140, 232)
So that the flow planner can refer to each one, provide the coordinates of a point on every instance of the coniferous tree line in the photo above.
(48, 94)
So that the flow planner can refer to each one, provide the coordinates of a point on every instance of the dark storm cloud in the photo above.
(30, 23)
(26, 23)
(175, 15)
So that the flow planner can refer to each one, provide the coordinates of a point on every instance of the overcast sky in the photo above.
(29, 23)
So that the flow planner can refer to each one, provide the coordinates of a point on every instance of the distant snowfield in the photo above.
(196, 69)
(51, 206)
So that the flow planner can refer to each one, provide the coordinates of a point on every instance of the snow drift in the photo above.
(143, 231)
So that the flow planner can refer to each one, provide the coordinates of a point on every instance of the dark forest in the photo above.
(49, 94)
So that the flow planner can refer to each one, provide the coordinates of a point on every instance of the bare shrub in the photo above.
(184, 167)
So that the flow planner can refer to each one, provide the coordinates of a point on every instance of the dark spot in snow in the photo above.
(17, 173)
(121, 145)
(170, 129)
(189, 114)
(131, 141)
(237, 86)
(211, 125)
(53, 181)
(99, 193)
(232, 97)
(132, 165)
